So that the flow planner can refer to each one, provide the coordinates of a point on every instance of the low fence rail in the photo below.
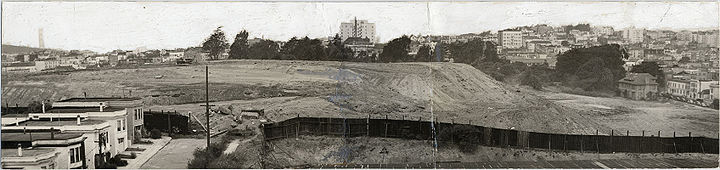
(486, 136)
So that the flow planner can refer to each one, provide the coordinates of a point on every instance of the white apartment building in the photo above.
(633, 35)
(358, 28)
(510, 38)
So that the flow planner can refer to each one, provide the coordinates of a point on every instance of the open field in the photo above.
(446, 91)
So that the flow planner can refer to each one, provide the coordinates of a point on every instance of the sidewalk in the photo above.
(144, 156)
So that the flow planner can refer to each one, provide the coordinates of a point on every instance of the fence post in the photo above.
(612, 140)
(549, 142)
(660, 142)
(169, 124)
(597, 145)
(642, 140)
(674, 146)
(367, 126)
(564, 142)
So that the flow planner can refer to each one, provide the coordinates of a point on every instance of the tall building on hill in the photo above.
(633, 35)
(510, 38)
(358, 28)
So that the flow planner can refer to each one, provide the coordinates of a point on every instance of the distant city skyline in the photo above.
(105, 26)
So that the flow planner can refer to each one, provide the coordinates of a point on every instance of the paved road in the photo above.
(144, 156)
(175, 155)
(576, 164)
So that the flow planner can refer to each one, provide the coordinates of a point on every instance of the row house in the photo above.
(108, 126)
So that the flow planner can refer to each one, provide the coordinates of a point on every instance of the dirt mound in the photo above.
(445, 91)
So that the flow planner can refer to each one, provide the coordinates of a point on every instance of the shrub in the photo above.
(155, 134)
(201, 157)
(133, 155)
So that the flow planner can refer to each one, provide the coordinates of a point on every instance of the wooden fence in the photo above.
(486, 136)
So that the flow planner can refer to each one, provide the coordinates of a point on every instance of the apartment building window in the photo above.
(119, 125)
(75, 155)
(123, 125)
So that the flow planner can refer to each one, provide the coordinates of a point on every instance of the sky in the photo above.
(105, 26)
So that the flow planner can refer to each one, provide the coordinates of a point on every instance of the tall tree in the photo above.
(396, 50)
(239, 47)
(473, 51)
(337, 51)
(216, 43)
(596, 68)
(305, 49)
(265, 49)
(423, 54)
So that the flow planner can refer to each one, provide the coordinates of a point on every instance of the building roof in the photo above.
(639, 79)
(100, 99)
(83, 109)
(34, 136)
(26, 152)
(59, 123)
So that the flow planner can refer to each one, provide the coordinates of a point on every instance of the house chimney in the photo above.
(43, 106)
(78, 119)
(52, 133)
(85, 94)
(101, 107)
(17, 122)
(19, 150)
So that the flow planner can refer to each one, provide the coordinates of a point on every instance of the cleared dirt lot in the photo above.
(445, 91)
(651, 116)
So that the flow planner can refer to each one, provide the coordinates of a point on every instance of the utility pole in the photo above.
(207, 107)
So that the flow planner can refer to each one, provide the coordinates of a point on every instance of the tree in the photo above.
(265, 49)
(651, 68)
(594, 68)
(239, 47)
(473, 51)
(202, 159)
(216, 43)
(396, 50)
(423, 54)
(305, 49)
(337, 51)
(529, 78)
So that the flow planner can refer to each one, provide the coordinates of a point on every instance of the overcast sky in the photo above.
(105, 26)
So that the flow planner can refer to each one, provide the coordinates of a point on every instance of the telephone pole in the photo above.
(207, 107)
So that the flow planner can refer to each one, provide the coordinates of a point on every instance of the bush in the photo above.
(155, 134)
(201, 157)
(532, 80)
(465, 137)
